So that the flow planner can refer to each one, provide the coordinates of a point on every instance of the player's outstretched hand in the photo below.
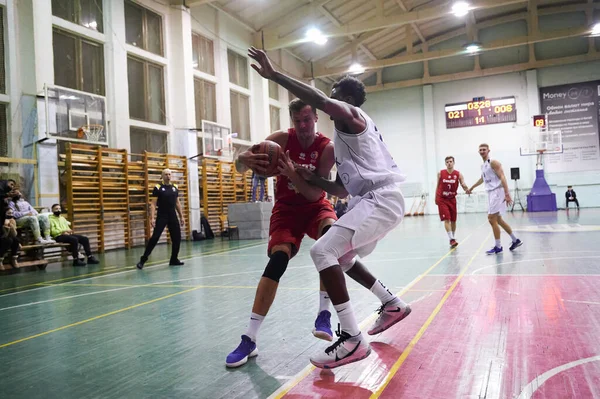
(257, 162)
(286, 167)
(508, 199)
(264, 67)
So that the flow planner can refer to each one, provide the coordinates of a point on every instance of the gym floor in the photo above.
(521, 324)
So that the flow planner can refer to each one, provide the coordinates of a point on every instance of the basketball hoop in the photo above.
(91, 132)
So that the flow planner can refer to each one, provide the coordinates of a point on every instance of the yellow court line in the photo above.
(127, 285)
(95, 318)
(110, 269)
(284, 389)
(425, 326)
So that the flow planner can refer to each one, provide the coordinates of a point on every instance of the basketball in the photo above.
(274, 151)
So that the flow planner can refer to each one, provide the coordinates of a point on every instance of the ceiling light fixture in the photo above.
(595, 30)
(460, 8)
(356, 69)
(472, 48)
(316, 36)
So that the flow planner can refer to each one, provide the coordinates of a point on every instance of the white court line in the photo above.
(123, 272)
(533, 260)
(538, 381)
(584, 302)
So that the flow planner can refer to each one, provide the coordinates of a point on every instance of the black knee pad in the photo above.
(276, 266)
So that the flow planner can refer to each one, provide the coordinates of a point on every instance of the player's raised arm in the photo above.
(338, 110)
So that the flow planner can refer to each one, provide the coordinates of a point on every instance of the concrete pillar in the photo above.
(430, 171)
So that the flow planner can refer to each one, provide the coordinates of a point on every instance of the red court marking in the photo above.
(493, 336)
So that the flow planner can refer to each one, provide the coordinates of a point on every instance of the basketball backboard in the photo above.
(217, 141)
(74, 115)
(542, 140)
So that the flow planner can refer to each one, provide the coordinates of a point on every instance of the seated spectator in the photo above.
(571, 196)
(7, 191)
(26, 216)
(61, 232)
(9, 239)
(340, 208)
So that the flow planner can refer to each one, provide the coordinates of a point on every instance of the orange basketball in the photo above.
(274, 151)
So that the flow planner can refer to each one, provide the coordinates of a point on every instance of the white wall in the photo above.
(401, 115)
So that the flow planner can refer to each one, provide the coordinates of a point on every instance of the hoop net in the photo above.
(91, 132)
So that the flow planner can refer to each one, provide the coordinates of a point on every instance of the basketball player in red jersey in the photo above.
(445, 197)
(299, 209)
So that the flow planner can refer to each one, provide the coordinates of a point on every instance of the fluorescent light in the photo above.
(596, 29)
(315, 35)
(460, 8)
(472, 48)
(356, 68)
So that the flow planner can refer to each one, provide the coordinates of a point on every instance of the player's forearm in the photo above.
(476, 184)
(329, 186)
(505, 185)
(152, 211)
(178, 208)
(310, 192)
(304, 92)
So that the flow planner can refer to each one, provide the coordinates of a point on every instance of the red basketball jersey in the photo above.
(309, 158)
(448, 184)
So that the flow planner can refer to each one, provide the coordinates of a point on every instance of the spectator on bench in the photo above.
(26, 216)
(9, 239)
(571, 196)
(7, 191)
(61, 232)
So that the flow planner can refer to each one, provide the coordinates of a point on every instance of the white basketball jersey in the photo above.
(363, 160)
(490, 178)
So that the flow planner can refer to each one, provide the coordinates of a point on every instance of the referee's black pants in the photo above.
(172, 223)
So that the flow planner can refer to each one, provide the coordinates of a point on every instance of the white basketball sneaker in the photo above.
(389, 314)
(347, 349)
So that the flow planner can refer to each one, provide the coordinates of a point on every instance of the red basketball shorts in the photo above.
(447, 209)
(290, 223)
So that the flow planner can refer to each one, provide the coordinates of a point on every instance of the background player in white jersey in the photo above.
(367, 171)
(498, 198)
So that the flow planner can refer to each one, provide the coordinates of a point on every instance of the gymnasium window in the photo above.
(238, 68)
(2, 67)
(143, 28)
(240, 115)
(206, 101)
(203, 54)
(78, 63)
(86, 13)
(148, 140)
(273, 90)
(146, 90)
(274, 113)
(3, 131)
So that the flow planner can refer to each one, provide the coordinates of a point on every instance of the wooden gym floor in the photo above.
(523, 324)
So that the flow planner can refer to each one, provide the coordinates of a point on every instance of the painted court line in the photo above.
(134, 269)
(95, 318)
(533, 260)
(534, 385)
(288, 386)
(406, 352)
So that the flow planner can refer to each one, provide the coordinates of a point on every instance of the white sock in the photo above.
(382, 292)
(513, 237)
(255, 322)
(347, 319)
(454, 235)
(449, 234)
(323, 301)
(498, 243)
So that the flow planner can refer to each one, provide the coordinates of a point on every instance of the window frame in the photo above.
(239, 93)
(212, 72)
(77, 13)
(237, 81)
(79, 75)
(196, 106)
(145, 91)
(145, 11)
(139, 129)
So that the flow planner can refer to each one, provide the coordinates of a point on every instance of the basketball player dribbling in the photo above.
(445, 197)
(365, 170)
(498, 198)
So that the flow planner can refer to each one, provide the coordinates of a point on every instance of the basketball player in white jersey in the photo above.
(498, 198)
(366, 171)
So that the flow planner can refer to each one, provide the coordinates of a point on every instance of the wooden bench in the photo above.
(38, 255)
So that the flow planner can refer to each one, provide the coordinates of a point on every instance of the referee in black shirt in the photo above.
(167, 200)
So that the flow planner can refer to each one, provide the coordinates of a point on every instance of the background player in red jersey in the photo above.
(445, 197)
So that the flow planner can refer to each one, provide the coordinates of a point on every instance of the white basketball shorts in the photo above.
(496, 201)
